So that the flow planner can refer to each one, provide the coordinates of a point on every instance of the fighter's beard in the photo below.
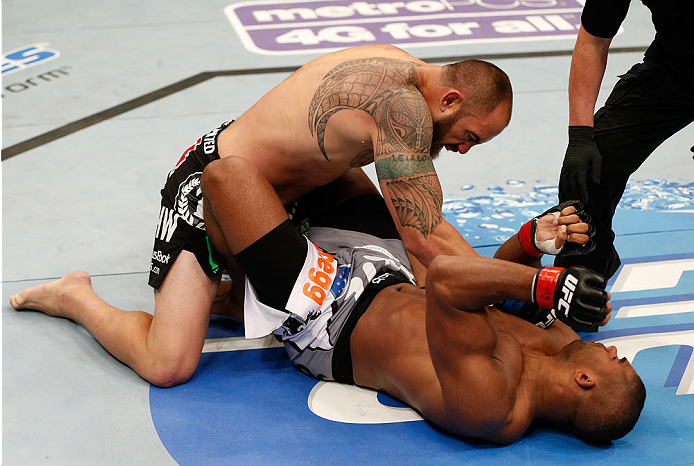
(440, 128)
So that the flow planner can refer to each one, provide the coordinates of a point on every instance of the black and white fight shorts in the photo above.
(181, 225)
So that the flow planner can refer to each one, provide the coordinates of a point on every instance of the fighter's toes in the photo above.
(47, 297)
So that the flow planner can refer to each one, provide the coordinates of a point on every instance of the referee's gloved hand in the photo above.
(582, 159)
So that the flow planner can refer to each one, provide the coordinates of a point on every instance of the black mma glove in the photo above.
(527, 235)
(582, 159)
(577, 293)
(533, 313)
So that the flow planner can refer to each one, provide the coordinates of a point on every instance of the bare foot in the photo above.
(48, 298)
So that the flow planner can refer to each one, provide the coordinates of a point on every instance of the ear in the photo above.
(450, 99)
(583, 379)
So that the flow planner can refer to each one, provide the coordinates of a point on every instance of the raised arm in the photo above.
(408, 180)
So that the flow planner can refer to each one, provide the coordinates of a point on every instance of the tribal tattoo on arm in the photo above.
(387, 89)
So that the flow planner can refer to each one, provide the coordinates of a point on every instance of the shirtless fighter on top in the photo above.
(342, 110)
(372, 104)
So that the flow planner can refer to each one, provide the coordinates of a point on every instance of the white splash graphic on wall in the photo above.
(496, 216)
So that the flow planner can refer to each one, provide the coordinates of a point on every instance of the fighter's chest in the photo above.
(509, 353)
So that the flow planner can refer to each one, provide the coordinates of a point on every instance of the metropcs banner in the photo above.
(295, 26)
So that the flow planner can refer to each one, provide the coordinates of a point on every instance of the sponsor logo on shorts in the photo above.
(161, 257)
(380, 278)
(340, 280)
(320, 277)
(301, 26)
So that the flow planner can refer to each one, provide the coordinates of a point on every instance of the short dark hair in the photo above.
(484, 84)
(612, 413)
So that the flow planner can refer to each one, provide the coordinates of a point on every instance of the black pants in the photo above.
(646, 106)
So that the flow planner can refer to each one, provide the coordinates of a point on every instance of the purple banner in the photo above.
(282, 27)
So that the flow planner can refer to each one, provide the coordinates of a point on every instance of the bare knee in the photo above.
(169, 365)
(220, 173)
(167, 372)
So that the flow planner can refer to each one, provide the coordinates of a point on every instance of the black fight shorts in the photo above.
(181, 225)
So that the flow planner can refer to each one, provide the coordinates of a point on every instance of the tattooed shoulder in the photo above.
(366, 84)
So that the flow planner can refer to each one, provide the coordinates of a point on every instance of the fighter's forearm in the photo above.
(587, 69)
(413, 195)
(447, 241)
(443, 240)
(470, 283)
(512, 251)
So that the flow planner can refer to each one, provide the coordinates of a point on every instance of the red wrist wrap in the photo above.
(525, 235)
(545, 285)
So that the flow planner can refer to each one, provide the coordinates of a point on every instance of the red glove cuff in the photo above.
(525, 235)
(545, 285)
